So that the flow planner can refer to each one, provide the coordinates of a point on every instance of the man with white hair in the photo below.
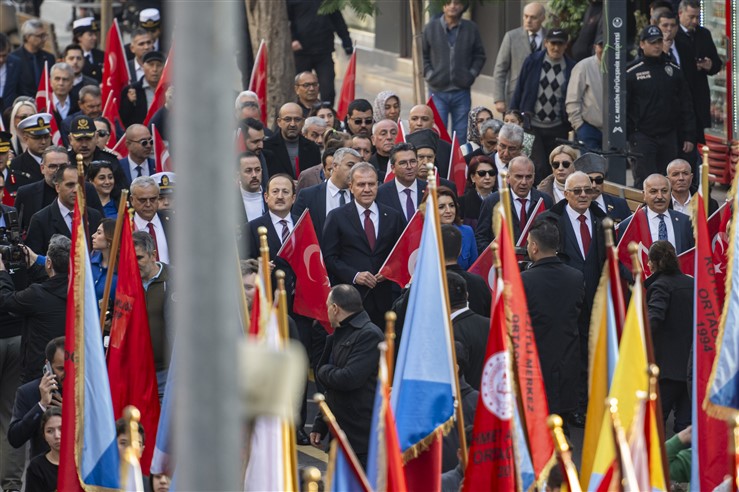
(61, 80)
(32, 56)
(313, 129)
(148, 217)
(247, 106)
(384, 133)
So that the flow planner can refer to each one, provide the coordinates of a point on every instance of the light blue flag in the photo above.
(424, 384)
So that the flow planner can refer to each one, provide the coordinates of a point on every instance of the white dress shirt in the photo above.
(673, 50)
(601, 203)
(62, 109)
(537, 37)
(253, 203)
(66, 214)
(3, 78)
(575, 221)
(374, 215)
(333, 196)
(403, 197)
(278, 226)
(517, 205)
(682, 207)
(132, 166)
(501, 167)
(653, 220)
(162, 246)
(139, 69)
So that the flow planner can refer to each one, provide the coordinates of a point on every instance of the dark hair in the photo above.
(334, 138)
(59, 173)
(401, 147)
(360, 105)
(108, 228)
(546, 234)
(660, 3)
(120, 429)
(329, 152)
(94, 169)
(249, 266)
(325, 105)
(451, 241)
(143, 240)
(445, 191)
(457, 286)
(58, 253)
(139, 31)
(667, 14)
(244, 155)
(523, 118)
(48, 413)
(104, 120)
(4, 42)
(252, 123)
(72, 47)
(54, 345)
(475, 163)
(347, 297)
(664, 258)
(281, 175)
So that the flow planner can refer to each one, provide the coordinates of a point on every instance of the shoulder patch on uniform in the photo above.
(635, 66)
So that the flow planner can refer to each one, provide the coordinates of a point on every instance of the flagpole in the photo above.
(340, 436)
(623, 454)
(458, 395)
(243, 304)
(282, 306)
(616, 297)
(390, 318)
(704, 178)
(264, 257)
(563, 451)
(113, 258)
(505, 201)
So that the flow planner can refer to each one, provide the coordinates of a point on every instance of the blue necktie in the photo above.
(409, 208)
(662, 230)
(342, 198)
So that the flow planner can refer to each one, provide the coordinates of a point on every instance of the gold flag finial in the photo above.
(635, 262)
(311, 477)
(608, 229)
(265, 263)
(390, 319)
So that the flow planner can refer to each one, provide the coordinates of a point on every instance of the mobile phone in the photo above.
(47, 368)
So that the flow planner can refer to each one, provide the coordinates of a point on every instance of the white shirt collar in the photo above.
(574, 214)
(276, 220)
(372, 208)
(140, 223)
(460, 311)
(400, 187)
(64, 210)
(334, 190)
(652, 215)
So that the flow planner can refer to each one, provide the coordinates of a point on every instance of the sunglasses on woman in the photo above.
(565, 164)
(483, 173)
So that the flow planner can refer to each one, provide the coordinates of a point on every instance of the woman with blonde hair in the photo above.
(23, 108)
(562, 160)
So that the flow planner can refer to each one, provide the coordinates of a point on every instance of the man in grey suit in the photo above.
(516, 46)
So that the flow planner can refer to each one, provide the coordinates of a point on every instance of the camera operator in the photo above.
(42, 306)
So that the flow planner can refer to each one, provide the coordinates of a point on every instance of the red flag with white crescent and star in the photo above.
(115, 69)
(161, 152)
(302, 252)
(45, 104)
(637, 230)
(258, 79)
(483, 266)
(439, 125)
(401, 262)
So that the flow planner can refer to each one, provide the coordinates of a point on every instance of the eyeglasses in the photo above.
(580, 191)
(359, 121)
(144, 142)
(409, 163)
(308, 85)
(510, 148)
(54, 167)
(103, 133)
(42, 35)
(599, 180)
(564, 164)
(291, 119)
(249, 104)
(147, 199)
(489, 172)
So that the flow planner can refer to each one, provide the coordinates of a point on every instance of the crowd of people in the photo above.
(361, 186)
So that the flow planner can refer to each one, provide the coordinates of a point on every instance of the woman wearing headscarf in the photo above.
(386, 106)
(478, 115)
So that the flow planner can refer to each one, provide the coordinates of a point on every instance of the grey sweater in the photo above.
(446, 67)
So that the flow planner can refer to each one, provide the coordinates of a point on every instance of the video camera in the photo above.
(11, 250)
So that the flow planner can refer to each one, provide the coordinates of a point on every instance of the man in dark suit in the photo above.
(523, 201)
(34, 397)
(384, 135)
(680, 176)
(348, 369)
(56, 218)
(136, 98)
(61, 80)
(329, 195)
(663, 223)
(288, 151)
(470, 329)
(555, 294)
(141, 43)
(278, 220)
(421, 117)
(34, 196)
(596, 167)
(357, 239)
(74, 58)
(403, 193)
(32, 57)
(140, 146)
(149, 218)
(26, 168)
(12, 66)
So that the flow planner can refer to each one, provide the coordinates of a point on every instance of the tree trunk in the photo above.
(268, 20)
(419, 90)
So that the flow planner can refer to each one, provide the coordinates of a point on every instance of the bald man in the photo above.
(516, 46)
(288, 151)
(422, 117)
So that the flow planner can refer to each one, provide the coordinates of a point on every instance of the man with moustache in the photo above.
(384, 134)
(288, 151)
(359, 118)
(421, 117)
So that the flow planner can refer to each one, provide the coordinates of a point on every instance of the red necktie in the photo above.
(369, 229)
(584, 234)
(153, 234)
(523, 218)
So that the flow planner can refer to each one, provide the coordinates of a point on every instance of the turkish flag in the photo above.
(637, 231)
(483, 266)
(457, 166)
(133, 379)
(115, 70)
(239, 141)
(303, 254)
(258, 80)
(161, 152)
(440, 126)
(120, 147)
(45, 104)
(160, 93)
(110, 112)
(718, 229)
(348, 90)
(401, 133)
(401, 261)
(492, 464)
(540, 208)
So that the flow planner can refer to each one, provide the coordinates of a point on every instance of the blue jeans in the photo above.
(458, 104)
(590, 136)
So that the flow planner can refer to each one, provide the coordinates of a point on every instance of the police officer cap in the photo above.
(154, 56)
(650, 33)
(423, 139)
(85, 24)
(5, 142)
(149, 18)
(591, 163)
(37, 124)
(82, 126)
(165, 180)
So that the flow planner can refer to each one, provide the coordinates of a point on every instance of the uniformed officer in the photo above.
(166, 182)
(5, 154)
(660, 108)
(35, 133)
(85, 33)
(82, 141)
